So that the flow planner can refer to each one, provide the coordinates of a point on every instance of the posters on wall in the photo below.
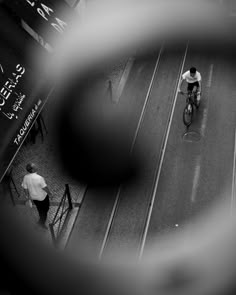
(21, 98)
(45, 20)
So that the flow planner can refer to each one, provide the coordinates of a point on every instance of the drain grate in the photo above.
(191, 136)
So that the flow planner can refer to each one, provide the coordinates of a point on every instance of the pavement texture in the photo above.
(42, 153)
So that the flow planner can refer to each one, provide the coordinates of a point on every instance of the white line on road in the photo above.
(196, 179)
(146, 99)
(205, 111)
(210, 75)
(204, 121)
(233, 179)
(109, 224)
(123, 79)
(161, 160)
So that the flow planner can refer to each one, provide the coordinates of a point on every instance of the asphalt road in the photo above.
(198, 166)
(184, 171)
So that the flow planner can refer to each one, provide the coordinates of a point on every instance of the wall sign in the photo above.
(36, 36)
(20, 101)
(48, 18)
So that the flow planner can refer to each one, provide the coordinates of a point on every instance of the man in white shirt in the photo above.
(36, 190)
(193, 78)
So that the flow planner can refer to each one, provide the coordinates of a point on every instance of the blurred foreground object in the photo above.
(92, 136)
(197, 260)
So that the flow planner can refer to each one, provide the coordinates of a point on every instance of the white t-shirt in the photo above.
(186, 76)
(35, 184)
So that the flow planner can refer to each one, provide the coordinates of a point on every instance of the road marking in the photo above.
(233, 179)
(123, 79)
(109, 223)
(196, 179)
(205, 111)
(204, 121)
(161, 160)
(209, 81)
(146, 100)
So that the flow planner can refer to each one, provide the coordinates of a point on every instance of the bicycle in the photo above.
(191, 102)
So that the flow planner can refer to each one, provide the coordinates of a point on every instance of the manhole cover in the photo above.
(191, 136)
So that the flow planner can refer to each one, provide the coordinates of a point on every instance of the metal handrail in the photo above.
(58, 218)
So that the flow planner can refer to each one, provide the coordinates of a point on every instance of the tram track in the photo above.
(159, 166)
(112, 219)
(92, 221)
(132, 217)
(114, 209)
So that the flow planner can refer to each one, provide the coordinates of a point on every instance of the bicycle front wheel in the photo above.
(188, 115)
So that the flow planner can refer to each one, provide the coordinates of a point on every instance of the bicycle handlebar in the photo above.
(182, 92)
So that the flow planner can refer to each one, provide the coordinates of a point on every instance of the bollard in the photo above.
(110, 90)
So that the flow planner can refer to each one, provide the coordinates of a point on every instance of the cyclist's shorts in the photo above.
(191, 85)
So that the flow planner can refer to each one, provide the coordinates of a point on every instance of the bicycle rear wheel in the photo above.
(188, 115)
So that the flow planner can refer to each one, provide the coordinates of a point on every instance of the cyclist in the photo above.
(193, 78)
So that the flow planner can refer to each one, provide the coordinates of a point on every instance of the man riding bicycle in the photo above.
(193, 78)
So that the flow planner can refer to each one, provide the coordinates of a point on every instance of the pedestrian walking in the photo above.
(36, 190)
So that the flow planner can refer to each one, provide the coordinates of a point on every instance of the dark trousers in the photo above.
(42, 207)
(191, 86)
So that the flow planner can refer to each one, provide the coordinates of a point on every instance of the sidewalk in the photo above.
(42, 153)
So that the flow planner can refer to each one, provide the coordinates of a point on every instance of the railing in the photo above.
(10, 185)
(56, 226)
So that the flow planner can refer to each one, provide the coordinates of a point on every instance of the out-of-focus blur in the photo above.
(92, 134)
(92, 44)
(95, 138)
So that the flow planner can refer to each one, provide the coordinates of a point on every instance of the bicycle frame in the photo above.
(189, 107)
(191, 97)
